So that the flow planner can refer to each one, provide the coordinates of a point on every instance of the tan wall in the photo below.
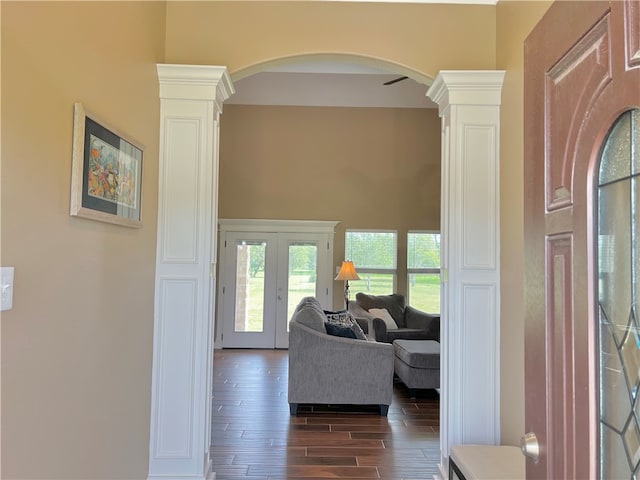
(373, 168)
(515, 19)
(77, 346)
(425, 38)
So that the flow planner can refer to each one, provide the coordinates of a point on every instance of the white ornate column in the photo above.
(191, 100)
(469, 104)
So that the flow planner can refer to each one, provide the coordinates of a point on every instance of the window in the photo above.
(374, 254)
(423, 271)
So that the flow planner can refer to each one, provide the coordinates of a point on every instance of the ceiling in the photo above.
(329, 83)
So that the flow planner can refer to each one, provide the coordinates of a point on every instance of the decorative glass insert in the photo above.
(618, 297)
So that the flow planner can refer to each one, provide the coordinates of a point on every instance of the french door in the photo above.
(264, 275)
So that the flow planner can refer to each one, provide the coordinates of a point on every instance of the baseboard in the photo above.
(181, 477)
(211, 475)
(443, 473)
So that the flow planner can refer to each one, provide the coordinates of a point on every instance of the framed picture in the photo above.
(106, 176)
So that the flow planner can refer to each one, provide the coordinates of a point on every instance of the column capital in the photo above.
(195, 82)
(466, 87)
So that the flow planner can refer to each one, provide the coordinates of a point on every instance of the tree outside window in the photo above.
(374, 255)
(423, 271)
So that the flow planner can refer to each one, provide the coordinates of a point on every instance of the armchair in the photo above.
(412, 324)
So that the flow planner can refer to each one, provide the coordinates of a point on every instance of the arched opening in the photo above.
(191, 104)
(303, 142)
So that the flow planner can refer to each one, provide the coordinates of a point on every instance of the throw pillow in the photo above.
(384, 314)
(339, 330)
(394, 304)
(344, 318)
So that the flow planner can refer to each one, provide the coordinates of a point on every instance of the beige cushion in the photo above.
(384, 314)
(489, 462)
(394, 304)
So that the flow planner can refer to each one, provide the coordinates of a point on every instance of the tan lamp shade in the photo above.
(347, 271)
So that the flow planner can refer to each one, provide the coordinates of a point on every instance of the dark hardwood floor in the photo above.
(254, 437)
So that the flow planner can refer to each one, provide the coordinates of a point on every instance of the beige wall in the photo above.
(373, 168)
(515, 19)
(425, 38)
(77, 346)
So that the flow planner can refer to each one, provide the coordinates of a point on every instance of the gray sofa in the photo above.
(412, 323)
(331, 370)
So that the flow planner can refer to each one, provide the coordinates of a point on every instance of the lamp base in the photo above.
(346, 294)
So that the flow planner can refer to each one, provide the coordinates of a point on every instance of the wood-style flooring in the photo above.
(254, 436)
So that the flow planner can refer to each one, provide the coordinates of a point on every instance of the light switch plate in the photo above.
(6, 288)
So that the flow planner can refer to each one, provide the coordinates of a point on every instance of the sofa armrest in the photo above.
(362, 316)
(379, 330)
(423, 321)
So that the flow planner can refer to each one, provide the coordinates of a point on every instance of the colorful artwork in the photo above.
(106, 173)
(112, 174)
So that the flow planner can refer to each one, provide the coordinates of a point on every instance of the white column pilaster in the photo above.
(191, 99)
(469, 105)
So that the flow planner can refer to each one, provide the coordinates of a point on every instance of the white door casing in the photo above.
(191, 103)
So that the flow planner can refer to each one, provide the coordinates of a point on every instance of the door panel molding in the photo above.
(632, 24)
(588, 61)
(560, 355)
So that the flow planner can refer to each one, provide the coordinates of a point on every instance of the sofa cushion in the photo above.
(339, 330)
(385, 316)
(394, 303)
(418, 353)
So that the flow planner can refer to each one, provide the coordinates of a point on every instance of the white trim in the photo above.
(290, 226)
(191, 100)
(469, 104)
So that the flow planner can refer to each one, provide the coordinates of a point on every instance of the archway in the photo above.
(191, 104)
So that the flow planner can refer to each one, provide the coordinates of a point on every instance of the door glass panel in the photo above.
(303, 273)
(250, 285)
(618, 296)
(616, 156)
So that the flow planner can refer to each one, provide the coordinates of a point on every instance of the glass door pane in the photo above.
(303, 274)
(248, 296)
(250, 279)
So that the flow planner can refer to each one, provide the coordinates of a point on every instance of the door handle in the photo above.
(530, 446)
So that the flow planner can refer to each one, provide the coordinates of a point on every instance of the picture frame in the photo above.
(106, 174)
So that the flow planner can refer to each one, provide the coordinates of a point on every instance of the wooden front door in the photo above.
(582, 72)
